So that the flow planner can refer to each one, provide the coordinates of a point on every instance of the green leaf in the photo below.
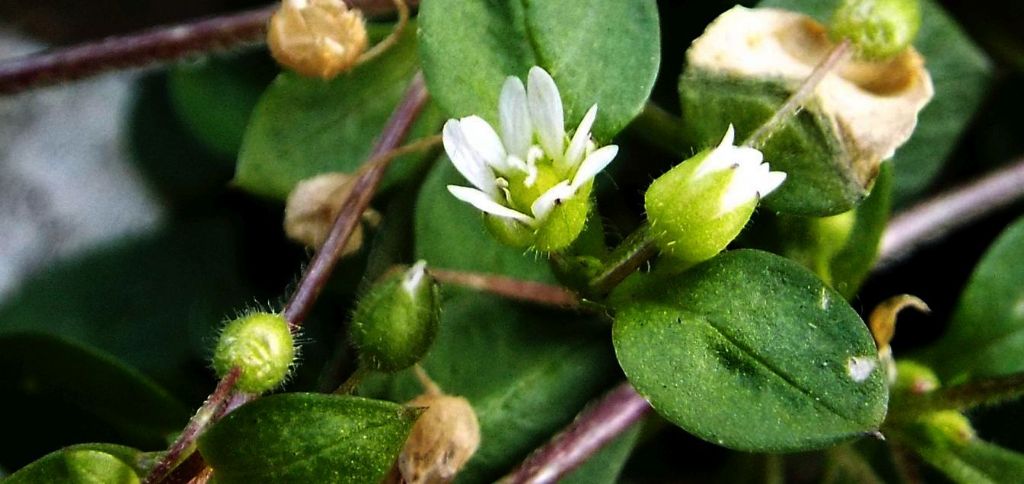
(986, 334)
(215, 96)
(303, 127)
(451, 234)
(81, 394)
(526, 372)
(606, 465)
(153, 301)
(307, 437)
(608, 56)
(83, 464)
(961, 74)
(753, 352)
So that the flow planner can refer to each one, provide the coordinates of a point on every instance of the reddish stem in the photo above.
(529, 291)
(155, 46)
(202, 419)
(593, 429)
(320, 268)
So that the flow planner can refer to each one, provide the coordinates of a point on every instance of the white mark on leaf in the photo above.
(860, 367)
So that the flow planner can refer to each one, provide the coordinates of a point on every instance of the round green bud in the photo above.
(878, 29)
(396, 321)
(261, 346)
(947, 427)
(914, 378)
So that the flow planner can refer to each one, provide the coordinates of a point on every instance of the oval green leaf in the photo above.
(82, 464)
(307, 437)
(986, 335)
(303, 127)
(601, 51)
(751, 351)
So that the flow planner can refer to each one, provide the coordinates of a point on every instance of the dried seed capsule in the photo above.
(444, 438)
(261, 346)
(313, 205)
(879, 29)
(396, 321)
(317, 38)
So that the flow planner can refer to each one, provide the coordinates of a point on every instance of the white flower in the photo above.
(507, 171)
(752, 179)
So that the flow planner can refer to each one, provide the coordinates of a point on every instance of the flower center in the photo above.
(521, 196)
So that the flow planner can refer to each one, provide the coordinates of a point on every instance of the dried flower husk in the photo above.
(317, 38)
(444, 438)
(313, 205)
(749, 61)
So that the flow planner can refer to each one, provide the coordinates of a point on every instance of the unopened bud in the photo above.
(396, 321)
(261, 346)
(443, 439)
(702, 204)
(914, 378)
(317, 38)
(314, 204)
(948, 427)
(878, 29)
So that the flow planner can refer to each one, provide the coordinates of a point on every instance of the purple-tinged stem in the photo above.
(151, 47)
(202, 419)
(593, 429)
(365, 185)
(528, 291)
(934, 218)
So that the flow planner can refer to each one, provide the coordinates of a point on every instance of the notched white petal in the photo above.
(769, 182)
(546, 112)
(467, 161)
(593, 165)
(580, 138)
(484, 203)
(547, 202)
(514, 116)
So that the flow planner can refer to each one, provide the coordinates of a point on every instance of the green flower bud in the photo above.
(396, 321)
(879, 29)
(261, 346)
(947, 427)
(914, 378)
(699, 206)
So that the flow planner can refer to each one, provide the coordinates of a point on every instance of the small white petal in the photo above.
(414, 276)
(482, 139)
(555, 195)
(593, 164)
(742, 188)
(580, 138)
(484, 203)
(546, 112)
(467, 161)
(514, 116)
(729, 138)
(770, 182)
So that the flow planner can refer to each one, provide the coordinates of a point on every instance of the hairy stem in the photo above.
(152, 47)
(796, 101)
(593, 429)
(632, 253)
(528, 291)
(365, 185)
(952, 210)
(203, 418)
(965, 396)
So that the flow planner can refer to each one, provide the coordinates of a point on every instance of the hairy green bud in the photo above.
(261, 346)
(878, 29)
(396, 321)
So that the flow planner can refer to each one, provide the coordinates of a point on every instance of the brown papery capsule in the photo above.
(312, 207)
(444, 438)
(317, 38)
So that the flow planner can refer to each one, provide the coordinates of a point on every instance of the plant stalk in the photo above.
(528, 291)
(157, 46)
